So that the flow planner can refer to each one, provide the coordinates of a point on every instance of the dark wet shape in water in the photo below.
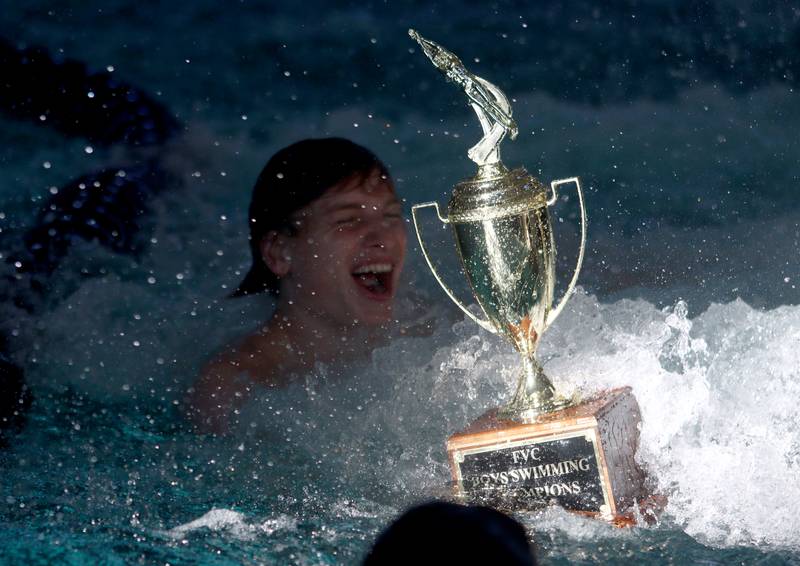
(76, 101)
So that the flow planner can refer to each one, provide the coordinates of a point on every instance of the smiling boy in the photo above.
(328, 240)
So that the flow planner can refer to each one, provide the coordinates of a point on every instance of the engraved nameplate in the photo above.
(561, 470)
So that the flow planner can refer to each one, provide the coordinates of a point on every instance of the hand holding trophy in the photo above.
(540, 448)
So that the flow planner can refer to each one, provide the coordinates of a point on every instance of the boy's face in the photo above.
(346, 257)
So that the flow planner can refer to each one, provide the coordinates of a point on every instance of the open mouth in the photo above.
(375, 278)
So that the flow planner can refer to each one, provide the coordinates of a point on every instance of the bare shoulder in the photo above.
(226, 381)
(221, 374)
(222, 386)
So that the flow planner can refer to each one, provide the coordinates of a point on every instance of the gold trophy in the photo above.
(540, 448)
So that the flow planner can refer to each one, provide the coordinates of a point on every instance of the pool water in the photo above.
(680, 121)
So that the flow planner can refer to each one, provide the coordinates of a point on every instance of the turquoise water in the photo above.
(683, 129)
(91, 481)
(315, 471)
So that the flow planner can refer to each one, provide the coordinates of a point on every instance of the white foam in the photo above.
(717, 393)
(233, 524)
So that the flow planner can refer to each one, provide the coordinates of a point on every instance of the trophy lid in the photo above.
(496, 192)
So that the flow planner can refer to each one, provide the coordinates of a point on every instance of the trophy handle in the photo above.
(556, 311)
(485, 324)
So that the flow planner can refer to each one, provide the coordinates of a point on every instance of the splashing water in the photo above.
(106, 464)
(335, 456)
(715, 394)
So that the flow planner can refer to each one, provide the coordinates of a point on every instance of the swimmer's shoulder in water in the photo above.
(107, 206)
(226, 382)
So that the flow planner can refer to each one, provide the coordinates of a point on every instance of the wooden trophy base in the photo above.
(580, 458)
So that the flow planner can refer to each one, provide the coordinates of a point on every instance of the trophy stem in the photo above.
(535, 394)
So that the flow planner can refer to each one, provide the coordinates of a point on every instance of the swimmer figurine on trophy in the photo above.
(541, 448)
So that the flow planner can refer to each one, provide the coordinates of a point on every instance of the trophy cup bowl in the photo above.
(504, 239)
(540, 448)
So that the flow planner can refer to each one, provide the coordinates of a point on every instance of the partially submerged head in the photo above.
(326, 232)
(446, 533)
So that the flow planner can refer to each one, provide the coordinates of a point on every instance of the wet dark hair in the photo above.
(445, 533)
(293, 178)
